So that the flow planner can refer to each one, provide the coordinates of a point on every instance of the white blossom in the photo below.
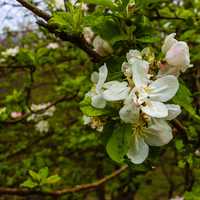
(59, 5)
(42, 126)
(86, 120)
(96, 93)
(48, 112)
(176, 55)
(52, 45)
(151, 95)
(157, 133)
(11, 52)
(109, 91)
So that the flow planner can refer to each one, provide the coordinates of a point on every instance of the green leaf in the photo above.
(146, 3)
(148, 39)
(118, 144)
(105, 3)
(184, 99)
(35, 176)
(43, 173)
(108, 28)
(29, 184)
(89, 110)
(61, 19)
(53, 179)
(179, 145)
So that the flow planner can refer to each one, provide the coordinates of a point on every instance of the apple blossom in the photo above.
(158, 133)
(11, 52)
(48, 112)
(142, 97)
(59, 4)
(42, 126)
(109, 91)
(52, 45)
(16, 114)
(176, 55)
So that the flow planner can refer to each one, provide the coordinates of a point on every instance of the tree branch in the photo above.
(76, 39)
(34, 9)
(77, 188)
(61, 99)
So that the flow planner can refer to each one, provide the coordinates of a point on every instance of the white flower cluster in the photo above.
(144, 97)
(10, 52)
(53, 45)
(41, 124)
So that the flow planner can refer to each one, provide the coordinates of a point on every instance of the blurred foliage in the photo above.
(70, 153)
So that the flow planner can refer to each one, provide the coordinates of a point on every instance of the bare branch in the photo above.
(34, 9)
(77, 188)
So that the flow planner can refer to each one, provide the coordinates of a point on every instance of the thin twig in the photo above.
(56, 193)
(61, 99)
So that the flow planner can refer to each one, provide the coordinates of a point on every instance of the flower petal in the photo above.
(116, 91)
(98, 101)
(138, 151)
(95, 77)
(86, 120)
(129, 113)
(155, 109)
(173, 111)
(163, 89)
(159, 133)
(140, 71)
(103, 72)
(169, 41)
(178, 55)
(133, 54)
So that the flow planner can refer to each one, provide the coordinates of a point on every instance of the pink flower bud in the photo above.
(16, 114)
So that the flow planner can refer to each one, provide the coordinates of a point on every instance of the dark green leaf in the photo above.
(118, 144)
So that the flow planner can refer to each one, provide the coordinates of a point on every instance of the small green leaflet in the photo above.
(118, 144)
(89, 110)
(105, 3)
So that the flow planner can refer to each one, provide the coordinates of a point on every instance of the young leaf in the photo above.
(118, 144)
(184, 99)
(35, 176)
(43, 172)
(29, 184)
(105, 3)
(53, 179)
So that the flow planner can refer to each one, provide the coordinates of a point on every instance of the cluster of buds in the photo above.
(101, 46)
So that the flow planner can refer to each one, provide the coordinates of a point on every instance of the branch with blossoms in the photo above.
(143, 111)
(23, 117)
(77, 39)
